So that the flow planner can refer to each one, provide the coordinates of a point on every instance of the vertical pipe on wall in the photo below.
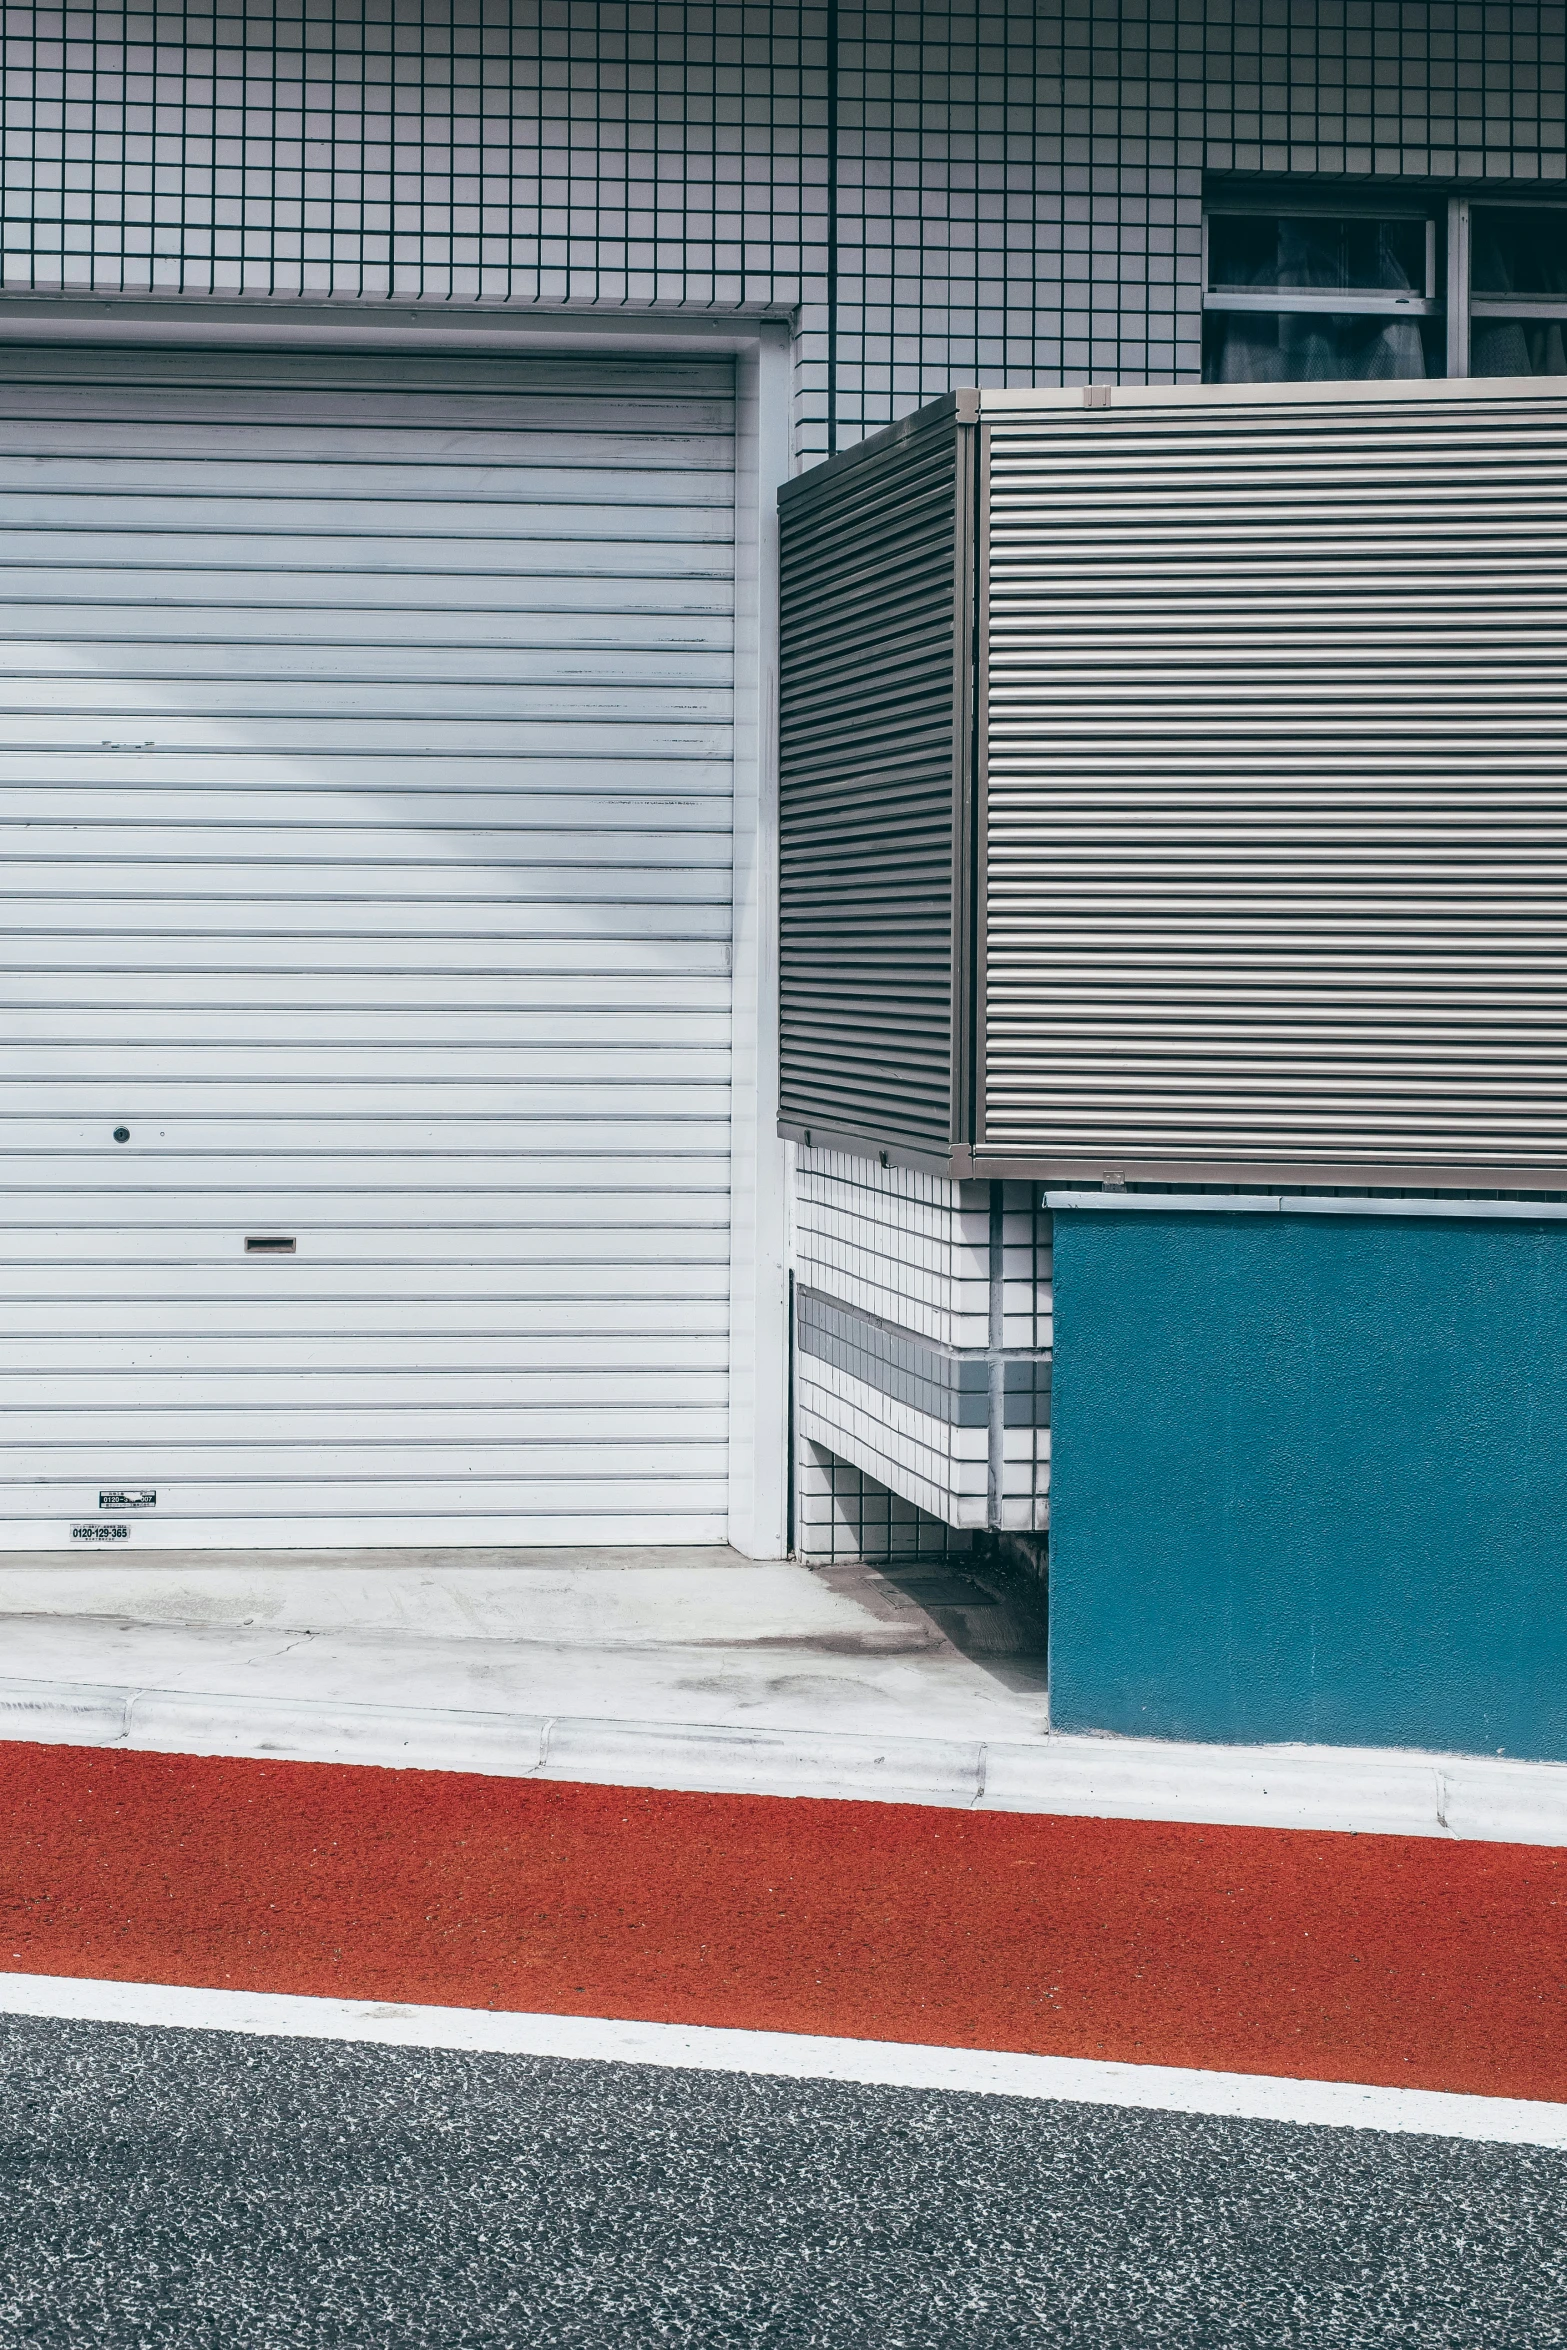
(997, 1266)
(791, 1441)
(832, 228)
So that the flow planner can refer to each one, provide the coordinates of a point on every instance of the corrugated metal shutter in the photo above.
(366, 785)
(1276, 718)
(871, 563)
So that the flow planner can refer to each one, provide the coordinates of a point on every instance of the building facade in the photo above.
(936, 196)
(395, 402)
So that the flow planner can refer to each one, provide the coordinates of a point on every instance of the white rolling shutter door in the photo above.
(366, 786)
(1276, 716)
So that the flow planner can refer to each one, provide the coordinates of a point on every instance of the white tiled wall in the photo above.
(1026, 1296)
(842, 1512)
(1025, 1480)
(1017, 183)
(940, 1468)
(914, 1250)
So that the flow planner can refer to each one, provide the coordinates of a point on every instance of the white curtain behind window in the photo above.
(1517, 346)
(1514, 346)
(1313, 347)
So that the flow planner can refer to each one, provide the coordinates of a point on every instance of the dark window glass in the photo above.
(1517, 253)
(1253, 251)
(1302, 347)
(1517, 346)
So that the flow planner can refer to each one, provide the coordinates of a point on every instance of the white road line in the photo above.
(1504, 2121)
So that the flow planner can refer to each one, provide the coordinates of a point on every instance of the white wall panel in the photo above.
(913, 1258)
(365, 848)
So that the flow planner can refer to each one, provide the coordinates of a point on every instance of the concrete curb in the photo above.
(1362, 1791)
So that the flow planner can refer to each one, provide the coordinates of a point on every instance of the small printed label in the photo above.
(135, 1497)
(97, 1533)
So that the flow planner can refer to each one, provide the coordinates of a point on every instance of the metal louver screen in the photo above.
(1277, 712)
(866, 792)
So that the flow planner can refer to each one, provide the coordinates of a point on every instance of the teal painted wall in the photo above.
(1309, 1480)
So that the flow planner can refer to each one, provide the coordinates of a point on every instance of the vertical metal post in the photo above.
(1458, 285)
(996, 1467)
(791, 1442)
(832, 228)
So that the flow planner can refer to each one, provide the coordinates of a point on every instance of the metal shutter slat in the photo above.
(365, 781)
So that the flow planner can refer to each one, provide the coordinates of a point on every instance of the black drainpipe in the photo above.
(832, 228)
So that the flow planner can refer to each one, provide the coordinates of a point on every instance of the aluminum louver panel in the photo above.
(866, 790)
(1277, 713)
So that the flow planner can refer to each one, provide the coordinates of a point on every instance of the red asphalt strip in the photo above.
(1391, 1959)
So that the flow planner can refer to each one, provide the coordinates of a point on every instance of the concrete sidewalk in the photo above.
(700, 1636)
(679, 1668)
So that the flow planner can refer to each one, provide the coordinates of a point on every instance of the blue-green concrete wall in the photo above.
(1309, 1479)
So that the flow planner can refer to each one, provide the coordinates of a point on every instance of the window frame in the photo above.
(1464, 305)
(1342, 301)
(1448, 294)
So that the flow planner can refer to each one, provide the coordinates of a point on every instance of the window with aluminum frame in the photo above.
(1302, 285)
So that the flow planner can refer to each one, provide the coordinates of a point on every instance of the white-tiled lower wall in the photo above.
(914, 1251)
(841, 1512)
(939, 1468)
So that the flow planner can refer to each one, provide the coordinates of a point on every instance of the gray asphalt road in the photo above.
(200, 2188)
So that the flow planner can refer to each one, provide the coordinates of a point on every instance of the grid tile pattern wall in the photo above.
(914, 1251)
(938, 1465)
(943, 1385)
(841, 1512)
(1026, 1268)
(474, 151)
(913, 1248)
(994, 194)
(1025, 1448)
